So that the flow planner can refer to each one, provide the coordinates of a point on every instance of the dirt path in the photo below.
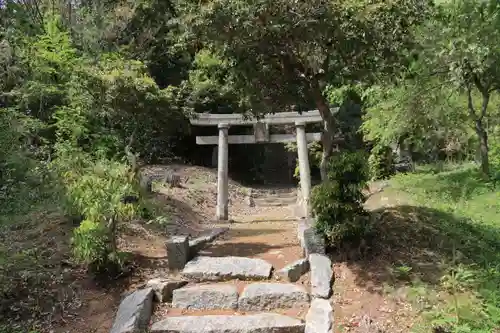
(259, 232)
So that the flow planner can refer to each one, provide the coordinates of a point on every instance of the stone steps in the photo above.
(275, 201)
(206, 297)
(235, 295)
(269, 296)
(256, 323)
(204, 268)
(255, 297)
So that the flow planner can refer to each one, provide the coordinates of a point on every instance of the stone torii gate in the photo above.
(261, 135)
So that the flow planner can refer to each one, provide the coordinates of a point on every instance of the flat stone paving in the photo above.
(206, 297)
(269, 296)
(258, 323)
(226, 268)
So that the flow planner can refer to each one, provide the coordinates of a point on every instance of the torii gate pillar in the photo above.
(222, 212)
(304, 168)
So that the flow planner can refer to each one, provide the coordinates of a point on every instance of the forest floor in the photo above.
(388, 289)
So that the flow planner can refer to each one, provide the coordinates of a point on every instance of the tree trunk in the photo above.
(479, 127)
(483, 148)
(328, 128)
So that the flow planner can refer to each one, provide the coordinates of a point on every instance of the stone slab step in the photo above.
(206, 297)
(204, 268)
(258, 323)
(275, 201)
(269, 296)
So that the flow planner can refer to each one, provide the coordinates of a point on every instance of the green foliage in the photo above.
(91, 109)
(338, 203)
(278, 59)
(93, 188)
(381, 162)
(466, 237)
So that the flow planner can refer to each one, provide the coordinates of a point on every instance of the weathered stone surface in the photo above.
(319, 318)
(310, 240)
(268, 296)
(206, 297)
(321, 275)
(294, 271)
(164, 288)
(198, 243)
(134, 312)
(177, 252)
(225, 268)
(258, 323)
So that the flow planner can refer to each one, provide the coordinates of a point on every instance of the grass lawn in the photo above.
(452, 237)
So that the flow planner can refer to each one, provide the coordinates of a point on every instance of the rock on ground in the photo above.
(258, 323)
(163, 288)
(319, 318)
(268, 296)
(226, 268)
(321, 275)
(206, 297)
(134, 312)
(294, 271)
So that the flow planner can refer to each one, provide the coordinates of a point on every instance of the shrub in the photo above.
(94, 189)
(381, 162)
(338, 202)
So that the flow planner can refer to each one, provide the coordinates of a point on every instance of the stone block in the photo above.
(206, 297)
(177, 252)
(163, 288)
(227, 268)
(269, 296)
(319, 318)
(257, 323)
(134, 312)
(310, 240)
(198, 243)
(321, 275)
(294, 271)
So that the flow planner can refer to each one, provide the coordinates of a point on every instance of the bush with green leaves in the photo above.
(381, 162)
(93, 188)
(338, 202)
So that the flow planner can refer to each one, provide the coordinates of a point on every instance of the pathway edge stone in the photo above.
(134, 312)
(321, 275)
(319, 318)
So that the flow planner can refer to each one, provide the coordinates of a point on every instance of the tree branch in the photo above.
(470, 104)
(484, 106)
